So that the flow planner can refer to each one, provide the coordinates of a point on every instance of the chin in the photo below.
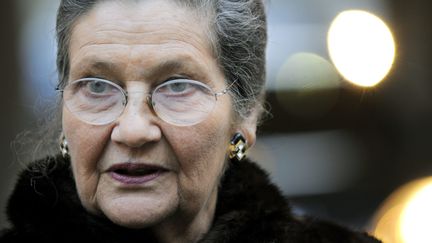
(134, 223)
(138, 214)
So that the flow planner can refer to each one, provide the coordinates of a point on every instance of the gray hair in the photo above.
(238, 38)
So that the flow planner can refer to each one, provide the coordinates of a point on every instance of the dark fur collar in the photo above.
(44, 207)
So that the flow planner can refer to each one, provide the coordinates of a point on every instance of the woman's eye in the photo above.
(178, 87)
(97, 87)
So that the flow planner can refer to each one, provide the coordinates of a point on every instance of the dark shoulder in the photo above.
(38, 201)
(251, 208)
(12, 236)
(41, 183)
(314, 230)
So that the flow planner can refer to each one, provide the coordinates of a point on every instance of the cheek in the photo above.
(208, 142)
(201, 152)
(86, 145)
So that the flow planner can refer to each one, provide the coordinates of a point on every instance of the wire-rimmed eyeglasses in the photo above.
(180, 102)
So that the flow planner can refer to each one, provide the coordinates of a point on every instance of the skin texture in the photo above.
(140, 45)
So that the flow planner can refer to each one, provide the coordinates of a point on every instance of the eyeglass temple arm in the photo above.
(58, 88)
(224, 91)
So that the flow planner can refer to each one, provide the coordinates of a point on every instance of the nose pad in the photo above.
(137, 125)
(151, 104)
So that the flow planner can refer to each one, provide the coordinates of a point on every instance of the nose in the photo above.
(137, 125)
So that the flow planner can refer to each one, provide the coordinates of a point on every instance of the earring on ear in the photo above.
(237, 147)
(64, 149)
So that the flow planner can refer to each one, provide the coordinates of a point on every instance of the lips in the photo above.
(135, 173)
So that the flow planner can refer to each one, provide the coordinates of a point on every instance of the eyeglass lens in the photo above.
(179, 102)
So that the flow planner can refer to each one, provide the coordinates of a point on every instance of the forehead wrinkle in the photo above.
(178, 36)
(140, 32)
(140, 28)
(196, 48)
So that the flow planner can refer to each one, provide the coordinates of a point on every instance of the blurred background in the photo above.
(349, 92)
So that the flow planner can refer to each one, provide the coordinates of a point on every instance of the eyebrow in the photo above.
(166, 67)
(191, 69)
(93, 67)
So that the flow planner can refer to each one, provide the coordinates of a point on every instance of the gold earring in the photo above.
(237, 147)
(64, 149)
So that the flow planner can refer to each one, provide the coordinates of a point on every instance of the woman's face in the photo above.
(141, 45)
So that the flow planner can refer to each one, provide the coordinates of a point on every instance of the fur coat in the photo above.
(44, 207)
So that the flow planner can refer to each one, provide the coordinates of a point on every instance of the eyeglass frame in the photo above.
(149, 97)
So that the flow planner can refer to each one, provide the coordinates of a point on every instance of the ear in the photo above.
(248, 126)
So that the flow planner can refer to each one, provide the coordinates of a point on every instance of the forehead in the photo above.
(143, 15)
(140, 33)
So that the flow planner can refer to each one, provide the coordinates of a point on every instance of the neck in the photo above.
(179, 230)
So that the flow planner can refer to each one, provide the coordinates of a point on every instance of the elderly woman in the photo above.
(160, 100)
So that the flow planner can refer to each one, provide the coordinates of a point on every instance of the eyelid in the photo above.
(170, 78)
(199, 83)
(119, 83)
(186, 77)
(174, 77)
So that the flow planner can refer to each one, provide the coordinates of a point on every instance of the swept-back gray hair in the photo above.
(238, 36)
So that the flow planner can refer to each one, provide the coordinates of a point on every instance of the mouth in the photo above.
(134, 173)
